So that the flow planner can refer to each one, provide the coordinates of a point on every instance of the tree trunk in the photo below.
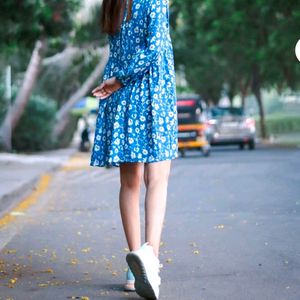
(62, 115)
(15, 112)
(256, 88)
(244, 88)
(243, 99)
(230, 96)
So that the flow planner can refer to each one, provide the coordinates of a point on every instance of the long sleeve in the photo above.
(157, 14)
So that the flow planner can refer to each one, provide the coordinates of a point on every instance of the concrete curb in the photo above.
(10, 199)
(269, 143)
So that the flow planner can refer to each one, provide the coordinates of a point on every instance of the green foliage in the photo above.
(237, 42)
(66, 138)
(58, 81)
(274, 106)
(4, 102)
(89, 31)
(34, 130)
(281, 124)
(23, 22)
(204, 71)
(61, 78)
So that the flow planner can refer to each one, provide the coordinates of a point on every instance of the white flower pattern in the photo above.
(138, 123)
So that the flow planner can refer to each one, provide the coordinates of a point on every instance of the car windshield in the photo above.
(217, 112)
(189, 110)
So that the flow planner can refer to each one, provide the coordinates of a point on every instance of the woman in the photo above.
(136, 127)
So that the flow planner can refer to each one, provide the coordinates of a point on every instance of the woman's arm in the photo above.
(157, 14)
(107, 88)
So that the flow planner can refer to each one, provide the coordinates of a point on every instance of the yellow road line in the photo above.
(28, 201)
(79, 161)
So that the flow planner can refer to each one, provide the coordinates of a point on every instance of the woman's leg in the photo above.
(156, 176)
(131, 176)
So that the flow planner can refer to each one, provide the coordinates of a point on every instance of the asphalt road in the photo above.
(232, 232)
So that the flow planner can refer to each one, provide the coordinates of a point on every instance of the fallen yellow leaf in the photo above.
(10, 251)
(86, 250)
(49, 271)
(74, 261)
(43, 284)
(13, 280)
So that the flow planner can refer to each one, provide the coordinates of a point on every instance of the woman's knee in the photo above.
(131, 175)
(156, 174)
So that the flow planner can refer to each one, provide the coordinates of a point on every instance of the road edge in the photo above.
(20, 199)
(14, 211)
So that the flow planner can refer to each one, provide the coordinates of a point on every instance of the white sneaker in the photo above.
(145, 267)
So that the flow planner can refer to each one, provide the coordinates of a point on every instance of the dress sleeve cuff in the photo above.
(125, 80)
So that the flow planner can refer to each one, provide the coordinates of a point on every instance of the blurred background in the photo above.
(229, 53)
(232, 225)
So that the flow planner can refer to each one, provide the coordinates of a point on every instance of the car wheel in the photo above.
(182, 153)
(242, 146)
(206, 152)
(251, 145)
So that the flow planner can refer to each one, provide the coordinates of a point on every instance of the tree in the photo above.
(63, 114)
(87, 61)
(203, 69)
(249, 45)
(15, 112)
(48, 19)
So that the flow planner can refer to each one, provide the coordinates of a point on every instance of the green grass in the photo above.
(281, 124)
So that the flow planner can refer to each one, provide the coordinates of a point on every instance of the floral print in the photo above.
(138, 123)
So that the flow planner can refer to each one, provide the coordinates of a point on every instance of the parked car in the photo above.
(229, 126)
(191, 125)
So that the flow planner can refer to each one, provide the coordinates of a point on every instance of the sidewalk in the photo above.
(20, 172)
(284, 140)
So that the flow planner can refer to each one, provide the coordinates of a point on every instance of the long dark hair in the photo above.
(113, 13)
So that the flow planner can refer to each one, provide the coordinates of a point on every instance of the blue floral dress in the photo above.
(138, 123)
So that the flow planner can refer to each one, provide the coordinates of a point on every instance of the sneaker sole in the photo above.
(128, 290)
(142, 285)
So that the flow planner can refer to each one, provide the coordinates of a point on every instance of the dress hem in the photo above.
(117, 164)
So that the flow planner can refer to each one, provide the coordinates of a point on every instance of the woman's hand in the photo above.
(106, 88)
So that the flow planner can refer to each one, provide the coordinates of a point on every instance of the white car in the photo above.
(230, 126)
